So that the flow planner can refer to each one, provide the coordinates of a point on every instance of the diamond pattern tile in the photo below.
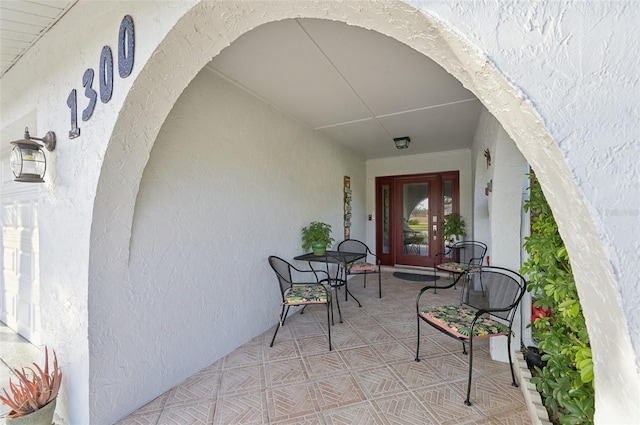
(360, 414)
(288, 371)
(243, 379)
(319, 365)
(379, 381)
(445, 404)
(194, 413)
(337, 390)
(416, 374)
(361, 358)
(291, 401)
(404, 409)
(370, 377)
(244, 408)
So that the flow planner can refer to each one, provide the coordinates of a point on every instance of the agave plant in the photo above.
(35, 387)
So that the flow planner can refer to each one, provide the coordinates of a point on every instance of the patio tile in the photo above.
(291, 401)
(362, 414)
(194, 413)
(404, 409)
(379, 381)
(319, 365)
(287, 371)
(243, 408)
(242, 379)
(370, 377)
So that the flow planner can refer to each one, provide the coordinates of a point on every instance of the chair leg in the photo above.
(329, 324)
(379, 284)
(513, 375)
(467, 401)
(346, 291)
(418, 341)
(365, 279)
(283, 315)
(338, 303)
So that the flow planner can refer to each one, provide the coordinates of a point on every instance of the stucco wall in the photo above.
(229, 182)
(561, 77)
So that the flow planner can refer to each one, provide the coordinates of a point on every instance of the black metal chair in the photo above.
(488, 302)
(363, 267)
(299, 293)
(460, 258)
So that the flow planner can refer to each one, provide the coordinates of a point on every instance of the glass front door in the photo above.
(410, 210)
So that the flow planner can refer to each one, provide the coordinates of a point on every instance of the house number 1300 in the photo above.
(126, 54)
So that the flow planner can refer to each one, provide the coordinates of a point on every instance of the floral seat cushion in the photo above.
(457, 319)
(456, 267)
(362, 266)
(307, 294)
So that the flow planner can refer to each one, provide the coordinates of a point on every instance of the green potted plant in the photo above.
(453, 227)
(33, 397)
(317, 236)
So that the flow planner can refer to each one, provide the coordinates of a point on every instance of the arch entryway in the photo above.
(209, 27)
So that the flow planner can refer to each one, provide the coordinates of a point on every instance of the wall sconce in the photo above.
(27, 160)
(401, 142)
(487, 154)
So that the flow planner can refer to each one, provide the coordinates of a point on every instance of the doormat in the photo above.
(413, 277)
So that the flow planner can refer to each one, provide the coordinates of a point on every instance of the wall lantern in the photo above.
(27, 160)
(401, 142)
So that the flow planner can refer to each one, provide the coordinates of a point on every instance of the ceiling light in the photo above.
(402, 142)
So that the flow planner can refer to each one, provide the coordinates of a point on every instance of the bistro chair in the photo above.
(460, 258)
(299, 293)
(364, 266)
(488, 302)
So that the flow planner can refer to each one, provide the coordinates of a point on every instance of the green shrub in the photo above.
(566, 382)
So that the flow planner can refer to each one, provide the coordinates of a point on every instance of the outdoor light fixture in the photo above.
(401, 142)
(27, 160)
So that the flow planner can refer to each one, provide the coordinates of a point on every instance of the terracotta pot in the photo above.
(42, 416)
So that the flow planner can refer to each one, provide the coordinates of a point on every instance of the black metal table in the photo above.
(339, 258)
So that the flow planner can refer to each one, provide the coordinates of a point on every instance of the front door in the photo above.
(410, 210)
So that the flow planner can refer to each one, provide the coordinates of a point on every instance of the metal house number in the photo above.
(126, 55)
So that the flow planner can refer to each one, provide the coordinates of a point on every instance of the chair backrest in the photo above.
(494, 288)
(282, 268)
(353, 245)
(470, 252)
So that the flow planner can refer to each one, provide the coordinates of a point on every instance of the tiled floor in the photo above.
(370, 377)
(15, 352)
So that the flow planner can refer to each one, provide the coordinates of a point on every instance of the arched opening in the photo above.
(137, 129)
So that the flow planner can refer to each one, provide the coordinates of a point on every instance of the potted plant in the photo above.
(317, 236)
(33, 397)
(453, 227)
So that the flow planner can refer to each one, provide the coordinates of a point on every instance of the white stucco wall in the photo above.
(229, 182)
(561, 77)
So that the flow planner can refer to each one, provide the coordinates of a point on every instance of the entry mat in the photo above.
(414, 277)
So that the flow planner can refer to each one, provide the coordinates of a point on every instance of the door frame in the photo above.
(392, 217)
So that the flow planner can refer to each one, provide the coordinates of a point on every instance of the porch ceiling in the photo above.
(357, 86)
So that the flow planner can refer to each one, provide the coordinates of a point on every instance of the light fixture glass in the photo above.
(27, 160)
(402, 142)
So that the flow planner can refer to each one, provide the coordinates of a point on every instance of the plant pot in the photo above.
(42, 416)
(319, 248)
(534, 358)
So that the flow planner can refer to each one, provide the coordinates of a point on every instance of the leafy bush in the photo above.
(566, 382)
